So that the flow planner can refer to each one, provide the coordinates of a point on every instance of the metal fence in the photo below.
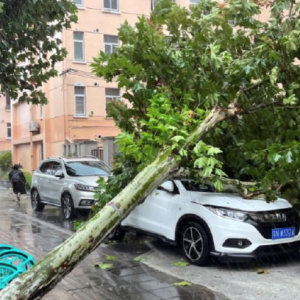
(98, 153)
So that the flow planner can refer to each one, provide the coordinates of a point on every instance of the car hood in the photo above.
(234, 201)
(89, 180)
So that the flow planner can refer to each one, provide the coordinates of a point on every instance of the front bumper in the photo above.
(261, 243)
(260, 252)
(79, 196)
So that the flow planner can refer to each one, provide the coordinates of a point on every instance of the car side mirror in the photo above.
(59, 174)
(167, 186)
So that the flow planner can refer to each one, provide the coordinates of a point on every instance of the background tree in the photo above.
(214, 54)
(30, 46)
(199, 83)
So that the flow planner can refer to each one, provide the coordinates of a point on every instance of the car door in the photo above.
(44, 182)
(157, 214)
(56, 183)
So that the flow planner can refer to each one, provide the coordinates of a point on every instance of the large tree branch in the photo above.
(57, 264)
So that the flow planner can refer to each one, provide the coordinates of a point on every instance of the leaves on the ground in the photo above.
(179, 264)
(110, 258)
(138, 259)
(182, 283)
(104, 266)
(262, 271)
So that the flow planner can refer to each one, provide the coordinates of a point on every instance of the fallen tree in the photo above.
(36, 282)
(196, 93)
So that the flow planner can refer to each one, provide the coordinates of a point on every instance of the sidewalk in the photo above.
(38, 234)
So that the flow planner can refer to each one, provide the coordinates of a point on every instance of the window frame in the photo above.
(7, 100)
(8, 129)
(111, 98)
(191, 3)
(84, 101)
(110, 44)
(79, 5)
(111, 9)
(82, 45)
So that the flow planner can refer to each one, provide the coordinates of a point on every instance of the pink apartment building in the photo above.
(5, 123)
(75, 117)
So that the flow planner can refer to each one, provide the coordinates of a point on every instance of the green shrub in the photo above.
(5, 161)
(28, 178)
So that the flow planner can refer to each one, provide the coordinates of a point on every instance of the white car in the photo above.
(205, 223)
(69, 183)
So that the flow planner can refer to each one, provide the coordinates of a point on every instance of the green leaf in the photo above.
(182, 283)
(183, 152)
(110, 258)
(180, 264)
(177, 138)
(212, 151)
(104, 266)
(139, 259)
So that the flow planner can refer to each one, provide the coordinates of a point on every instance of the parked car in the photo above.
(69, 183)
(205, 223)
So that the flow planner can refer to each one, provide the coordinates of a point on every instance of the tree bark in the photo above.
(57, 264)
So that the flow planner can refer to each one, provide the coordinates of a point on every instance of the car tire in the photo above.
(67, 207)
(117, 234)
(195, 244)
(36, 201)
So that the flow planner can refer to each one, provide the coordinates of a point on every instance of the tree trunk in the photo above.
(57, 264)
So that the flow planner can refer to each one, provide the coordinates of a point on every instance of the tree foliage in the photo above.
(178, 65)
(30, 45)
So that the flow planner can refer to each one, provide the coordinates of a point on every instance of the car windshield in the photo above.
(197, 187)
(86, 168)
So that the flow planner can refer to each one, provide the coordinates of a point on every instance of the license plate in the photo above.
(283, 233)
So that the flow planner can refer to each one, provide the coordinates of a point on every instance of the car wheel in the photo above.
(194, 244)
(36, 201)
(117, 234)
(67, 207)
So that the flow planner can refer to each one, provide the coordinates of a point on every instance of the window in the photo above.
(78, 2)
(111, 95)
(8, 102)
(194, 1)
(111, 42)
(79, 101)
(56, 166)
(46, 168)
(154, 2)
(78, 46)
(41, 111)
(197, 187)
(8, 130)
(111, 5)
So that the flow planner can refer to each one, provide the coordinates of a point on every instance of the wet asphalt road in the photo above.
(40, 233)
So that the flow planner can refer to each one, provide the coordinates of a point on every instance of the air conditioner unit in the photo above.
(34, 126)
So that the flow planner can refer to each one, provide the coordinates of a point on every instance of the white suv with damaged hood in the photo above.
(69, 183)
(207, 224)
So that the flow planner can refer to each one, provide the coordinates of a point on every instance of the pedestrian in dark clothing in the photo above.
(18, 182)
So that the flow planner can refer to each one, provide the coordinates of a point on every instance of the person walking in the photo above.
(18, 182)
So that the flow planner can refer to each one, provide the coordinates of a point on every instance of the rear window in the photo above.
(86, 168)
(193, 186)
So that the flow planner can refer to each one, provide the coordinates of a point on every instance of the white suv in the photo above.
(205, 223)
(69, 183)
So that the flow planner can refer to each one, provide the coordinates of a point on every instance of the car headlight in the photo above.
(229, 213)
(85, 188)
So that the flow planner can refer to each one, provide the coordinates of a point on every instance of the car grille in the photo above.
(280, 219)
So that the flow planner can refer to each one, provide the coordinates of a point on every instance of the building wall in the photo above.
(5, 119)
(57, 120)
